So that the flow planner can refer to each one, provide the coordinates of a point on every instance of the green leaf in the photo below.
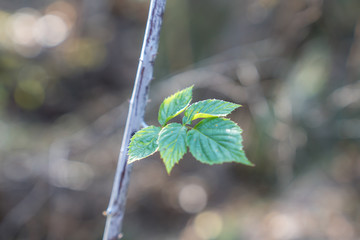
(174, 105)
(143, 143)
(217, 140)
(172, 144)
(208, 108)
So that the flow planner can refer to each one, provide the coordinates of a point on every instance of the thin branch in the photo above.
(116, 209)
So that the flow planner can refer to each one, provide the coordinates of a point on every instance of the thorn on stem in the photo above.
(108, 212)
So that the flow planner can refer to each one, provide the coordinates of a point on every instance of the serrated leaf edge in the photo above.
(246, 162)
(176, 162)
(189, 121)
(134, 159)
(181, 110)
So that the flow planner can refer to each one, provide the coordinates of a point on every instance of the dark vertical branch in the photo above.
(116, 208)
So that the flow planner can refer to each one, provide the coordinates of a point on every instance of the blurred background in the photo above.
(66, 76)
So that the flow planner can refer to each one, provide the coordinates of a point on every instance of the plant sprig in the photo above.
(214, 140)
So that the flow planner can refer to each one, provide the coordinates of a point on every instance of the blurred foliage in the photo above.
(66, 74)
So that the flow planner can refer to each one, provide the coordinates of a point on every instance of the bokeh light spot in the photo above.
(192, 198)
(20, 26)
(71, 174)
(282, 226)
(65, 10)
(85, 53)
(208, 225)
(19, 29)
(50, 30)
(29, 94)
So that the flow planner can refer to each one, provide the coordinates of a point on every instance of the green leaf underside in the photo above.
(174, 105)
(208, 108)
(172, 144)
(143, 143)
(217, 140)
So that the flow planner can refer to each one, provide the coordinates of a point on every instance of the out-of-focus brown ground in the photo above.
(66, 75)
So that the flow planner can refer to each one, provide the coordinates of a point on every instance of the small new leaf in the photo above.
(217, 140)
(208, 108)
(143, 143)
(174, 105)
(172, 144)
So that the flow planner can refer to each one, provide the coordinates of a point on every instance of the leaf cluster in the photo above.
(214, 140)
